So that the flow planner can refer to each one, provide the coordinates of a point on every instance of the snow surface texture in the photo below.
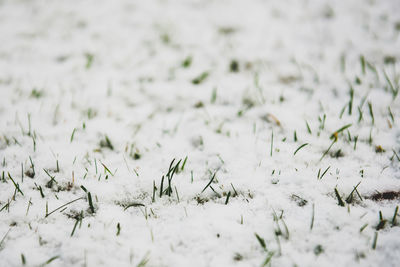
(105, 94)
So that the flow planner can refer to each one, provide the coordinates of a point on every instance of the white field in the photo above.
(105, 94)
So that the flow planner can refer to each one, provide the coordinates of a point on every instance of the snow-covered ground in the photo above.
(284, 114)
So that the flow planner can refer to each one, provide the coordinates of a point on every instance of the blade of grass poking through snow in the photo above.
(134, 205)
(351, 99)
(90, 202)
(393, 90)
(382, 222)
(4, 237)
(308, 128)
(372, 68)
(184, 163)
(391, 115)
(342, 111)
(371, 113)
(355, 142)
(62, 206)
(209, 183)
(360, 115)
(340, 201)
(394, 219)
(375, 240)
(261, 241)
(268, 258)
(343, 62)
(161, 186)
(199, 79)
(272, 142)
(49, 261)
(32, 166)
(177, 195)
(72, 135)
(118, 229)
(363, 227)
(326, 151)
(106, 169)
(300, 147)
(78, 219)
(234, 190)
(153, 199)
(213, 95)
(143, 262)
(23, 260)
(312, 217)
(362, 62)
(227, 198)
(187, 62)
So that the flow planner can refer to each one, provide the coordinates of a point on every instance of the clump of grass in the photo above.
(133, 151)
(278, 230)
(172, 170)
(350, 197)
(106, 143)
(52, 181)
(299, 200)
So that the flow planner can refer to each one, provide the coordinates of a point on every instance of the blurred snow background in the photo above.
(105, 94)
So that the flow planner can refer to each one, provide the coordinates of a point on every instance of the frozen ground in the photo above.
(285, 106)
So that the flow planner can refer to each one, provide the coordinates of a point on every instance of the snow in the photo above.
(76, 73)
